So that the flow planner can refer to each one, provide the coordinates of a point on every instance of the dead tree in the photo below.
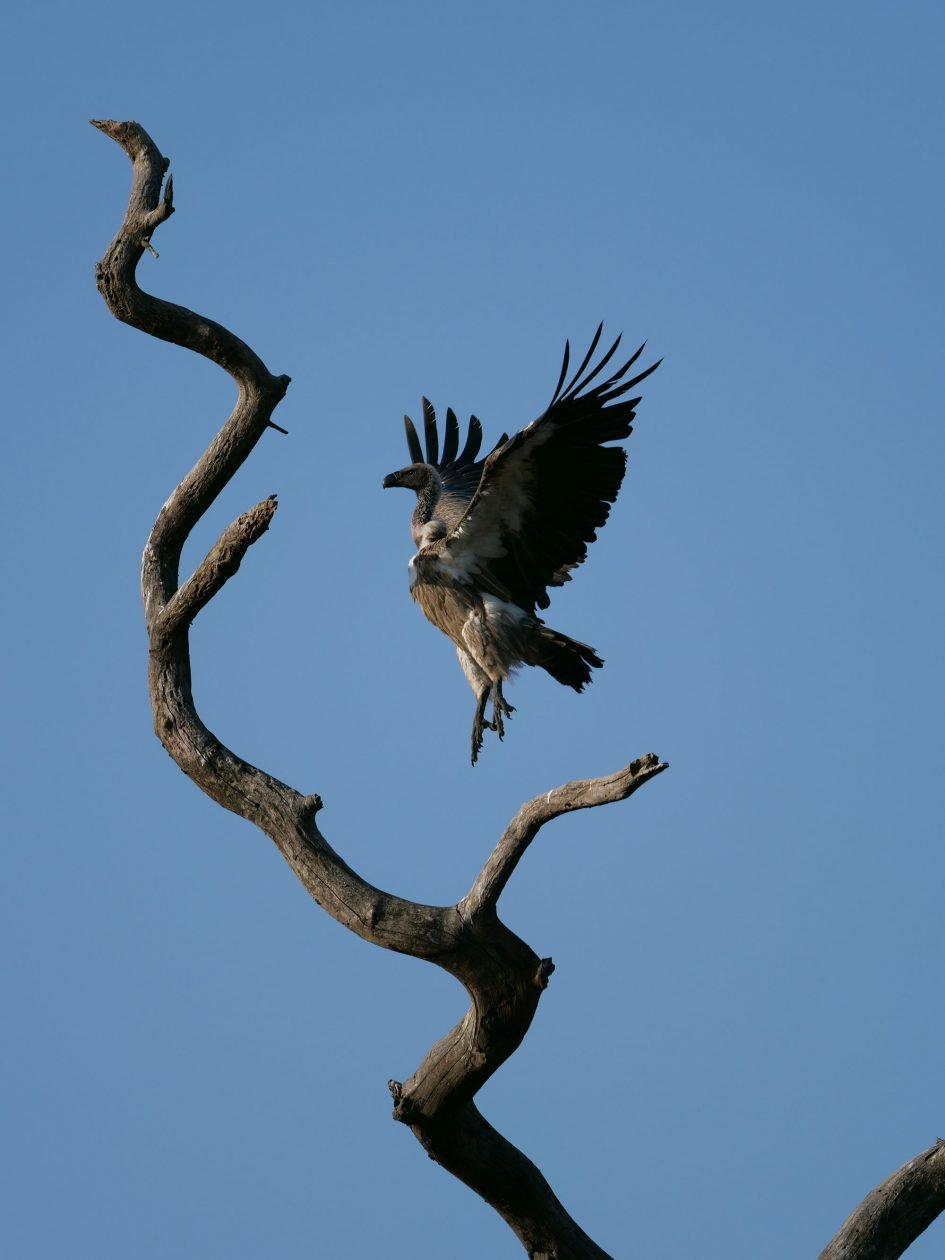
(502, 974)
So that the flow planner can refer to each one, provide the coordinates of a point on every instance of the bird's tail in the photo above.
(566, 660)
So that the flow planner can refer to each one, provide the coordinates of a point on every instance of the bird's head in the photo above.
(414, 477)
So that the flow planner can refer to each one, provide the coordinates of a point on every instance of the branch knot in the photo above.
(405, 1112)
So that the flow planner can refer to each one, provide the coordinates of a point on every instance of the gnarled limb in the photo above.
(503, 976)
(892, 1216)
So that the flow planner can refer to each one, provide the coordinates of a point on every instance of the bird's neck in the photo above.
(427, 496)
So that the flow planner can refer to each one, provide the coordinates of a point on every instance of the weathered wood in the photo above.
(518, 835)
(503, 976)
(892, 1216)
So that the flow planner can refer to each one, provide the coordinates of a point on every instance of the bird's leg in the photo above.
(500, 708)
(499, 698)
(480, 725)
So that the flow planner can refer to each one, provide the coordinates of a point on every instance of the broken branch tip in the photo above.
(310, 807)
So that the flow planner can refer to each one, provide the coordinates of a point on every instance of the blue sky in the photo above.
(743, 1033)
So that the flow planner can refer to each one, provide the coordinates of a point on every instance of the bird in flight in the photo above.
(493, 534)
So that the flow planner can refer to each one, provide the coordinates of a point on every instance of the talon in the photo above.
(480, 724)
(500, 708)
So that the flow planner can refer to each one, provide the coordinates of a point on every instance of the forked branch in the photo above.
(504, 977)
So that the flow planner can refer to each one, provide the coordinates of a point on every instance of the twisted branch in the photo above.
(503, 975)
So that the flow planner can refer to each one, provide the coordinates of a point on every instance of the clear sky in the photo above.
(744, 1032)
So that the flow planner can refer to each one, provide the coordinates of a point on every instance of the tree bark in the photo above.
(502, 974)
(892, 1216)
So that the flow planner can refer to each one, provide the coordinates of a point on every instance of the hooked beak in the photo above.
(390, 480)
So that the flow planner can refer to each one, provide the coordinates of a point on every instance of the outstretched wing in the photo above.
(544, 493)
(459, 473)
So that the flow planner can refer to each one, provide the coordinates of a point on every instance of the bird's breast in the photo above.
(444, 601)
(427, 568)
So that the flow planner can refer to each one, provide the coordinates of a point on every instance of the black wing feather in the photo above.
(429, 432)
(413, 442)
(564, 372)
(473, 442)
(545, 493)
(450, 438)
(587, 358)
(575, 387)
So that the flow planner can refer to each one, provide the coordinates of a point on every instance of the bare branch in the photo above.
(892, 1216)
(217, 567)
(115, 274)
(532, 816)
(259, 391)
(504, 977)
(278, 809)
(472, 1150)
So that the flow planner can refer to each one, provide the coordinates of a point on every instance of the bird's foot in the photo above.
(480, 726)
(500, 709)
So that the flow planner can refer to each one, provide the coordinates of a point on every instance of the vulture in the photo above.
(493, 534)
